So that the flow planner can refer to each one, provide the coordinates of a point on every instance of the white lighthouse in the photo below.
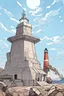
(22, 63)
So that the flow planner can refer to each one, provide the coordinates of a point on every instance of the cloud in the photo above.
(38, 31)
(12, 30)
(52, 49)
(36, 19)
(50, 43)
(46, 38)
(12, 27)
(59, 16)
(52, 13)
(48, 16)
(61, 20)
(55, 1)
(34, 26)
(13, 19)
(3, 44)
(48, 7)
(53, 40)
(36, 11)
(24, 9)
(19, 3)
(3, 27)
(56, 39)
(9, 14)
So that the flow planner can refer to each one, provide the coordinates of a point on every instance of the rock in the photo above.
(2, 93)
(45, 90)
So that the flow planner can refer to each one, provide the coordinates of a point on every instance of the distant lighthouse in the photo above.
(46, 66)
(46, 61)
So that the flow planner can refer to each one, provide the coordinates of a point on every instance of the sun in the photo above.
(32, 4)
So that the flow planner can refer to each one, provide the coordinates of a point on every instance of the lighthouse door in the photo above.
(39, 77)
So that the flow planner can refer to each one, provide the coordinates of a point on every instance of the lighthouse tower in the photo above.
(22, 63)
(46, 66)
(46, 61)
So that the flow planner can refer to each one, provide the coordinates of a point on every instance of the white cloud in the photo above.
(38, 31)
(24, 9)
(59, 16)
(52, 13)
(53, 49)
(19, 3)
(38, 15)
(49, 15)
(12, 30)
(61, 20)
(13, 19)
(9, 14)
(53, 40)
(36, 19)
(36, 11)
(46, 38)
(34, 26)
(48, 7)
(56, 39)
(50, 43)
(55, 1)
(3, 44)
(3, 27)
(12, 27)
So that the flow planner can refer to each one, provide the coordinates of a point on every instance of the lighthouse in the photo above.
(22, 63)
(46, 67)
(46, 61)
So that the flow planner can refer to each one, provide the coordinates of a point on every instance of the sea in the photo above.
(58, 81)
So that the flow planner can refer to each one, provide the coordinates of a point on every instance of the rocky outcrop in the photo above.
(45, 90)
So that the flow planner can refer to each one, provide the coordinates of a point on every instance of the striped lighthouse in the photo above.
(46, 67)
(46, 61)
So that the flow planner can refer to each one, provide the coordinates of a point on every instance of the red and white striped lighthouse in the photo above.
(46, 67)
(46, 61)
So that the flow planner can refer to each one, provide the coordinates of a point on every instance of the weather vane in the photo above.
(23, 14)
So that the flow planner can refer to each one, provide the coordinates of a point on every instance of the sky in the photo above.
(47, 19)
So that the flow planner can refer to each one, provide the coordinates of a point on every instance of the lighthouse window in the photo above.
(15, 76)
(38, 79)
